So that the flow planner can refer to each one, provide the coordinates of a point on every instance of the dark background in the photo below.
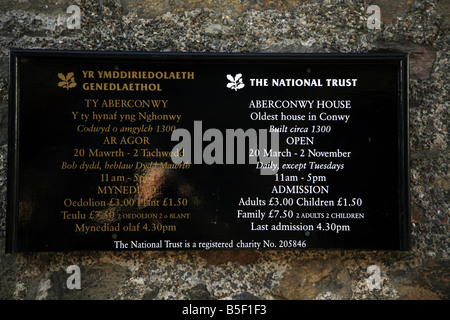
(375, 135)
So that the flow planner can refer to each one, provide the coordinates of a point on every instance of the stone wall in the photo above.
(415, 26)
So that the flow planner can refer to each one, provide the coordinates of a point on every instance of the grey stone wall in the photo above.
(417, 27)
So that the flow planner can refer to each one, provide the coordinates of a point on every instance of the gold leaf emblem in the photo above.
(67, 81)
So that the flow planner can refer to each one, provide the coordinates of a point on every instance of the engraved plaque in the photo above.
(145, 151)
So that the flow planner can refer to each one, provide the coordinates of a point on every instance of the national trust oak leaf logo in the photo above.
(236, 82)
(67, 82)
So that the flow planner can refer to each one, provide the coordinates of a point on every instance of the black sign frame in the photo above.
(18, 56)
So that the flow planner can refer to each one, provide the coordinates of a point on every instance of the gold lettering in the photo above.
(146, 75)
(110, 140)
(118, 190)
(135, 140)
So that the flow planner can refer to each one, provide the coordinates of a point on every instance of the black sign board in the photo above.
(132, 151)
